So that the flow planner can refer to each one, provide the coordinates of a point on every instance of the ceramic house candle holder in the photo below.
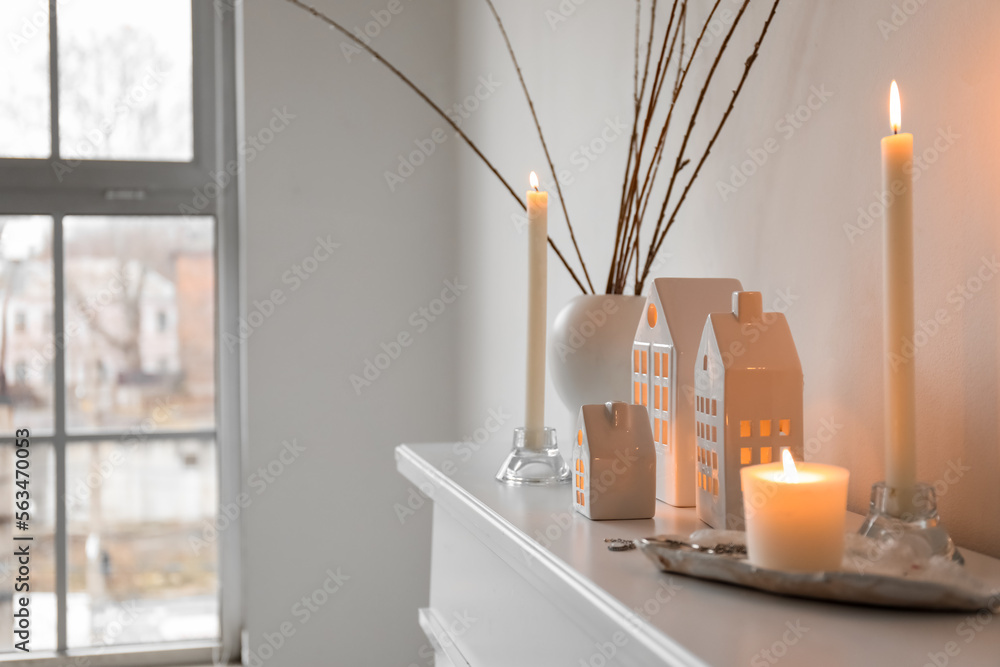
(614, 463)
(663, 363)
(748, 403)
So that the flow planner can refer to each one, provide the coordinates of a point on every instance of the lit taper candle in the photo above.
(900, 401)
(538, 238)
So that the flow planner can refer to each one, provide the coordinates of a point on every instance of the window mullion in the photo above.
(54, 79)
(59, 442)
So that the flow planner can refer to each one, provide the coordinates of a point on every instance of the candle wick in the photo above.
(895, 130)
(536, 188)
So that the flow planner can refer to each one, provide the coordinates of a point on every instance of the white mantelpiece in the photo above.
(519, 578)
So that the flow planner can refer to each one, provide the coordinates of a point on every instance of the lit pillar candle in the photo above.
(795, 515)
(538, 235)
(900, 402)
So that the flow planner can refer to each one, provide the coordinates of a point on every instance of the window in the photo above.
(746, 455)
(785, 427)
(118, 283)
(765, 455)
(745, 428)
(765, 428)
(714, 406)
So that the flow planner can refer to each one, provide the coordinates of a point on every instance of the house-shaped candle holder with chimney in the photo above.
(748, 403)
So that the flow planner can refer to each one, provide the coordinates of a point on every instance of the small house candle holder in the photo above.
(918, 526)
(536, 467)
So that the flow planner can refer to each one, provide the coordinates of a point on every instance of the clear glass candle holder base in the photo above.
(534, 466)
(911, 519)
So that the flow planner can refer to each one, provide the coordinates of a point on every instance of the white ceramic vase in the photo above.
(590, 349)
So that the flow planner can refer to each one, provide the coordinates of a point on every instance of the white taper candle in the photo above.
(538, 235)
(900, 401)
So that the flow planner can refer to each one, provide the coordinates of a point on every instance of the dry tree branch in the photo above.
(475, 149)
(541, 137)
(632, 146)
(679, 161)
(658, 242)
(670, 38)
(662, 62)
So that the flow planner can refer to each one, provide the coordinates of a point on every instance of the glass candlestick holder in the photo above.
(534, 466)
(915, 524)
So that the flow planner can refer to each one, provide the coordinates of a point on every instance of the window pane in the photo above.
(140, 323)
(41, 526)
(24, 79)
(125, 80)
(27, 350)
(142, 541)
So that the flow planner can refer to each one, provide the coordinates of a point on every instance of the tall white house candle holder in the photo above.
(535, 457)
(901, 508)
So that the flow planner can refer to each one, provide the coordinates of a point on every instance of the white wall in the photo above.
(784, 230)
(333, 506)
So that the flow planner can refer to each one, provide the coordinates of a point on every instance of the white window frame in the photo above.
(30, 187)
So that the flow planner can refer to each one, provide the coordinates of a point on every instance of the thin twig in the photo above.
(624, 249)
(632, 147)
(666, 54)
(475, 149)
(679, 160)
(541, 137)
(635, 60)
(653, 171)
(658, 242)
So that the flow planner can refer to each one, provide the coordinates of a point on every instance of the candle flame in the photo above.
(895, 114)
(533, 179)
(791, 473)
